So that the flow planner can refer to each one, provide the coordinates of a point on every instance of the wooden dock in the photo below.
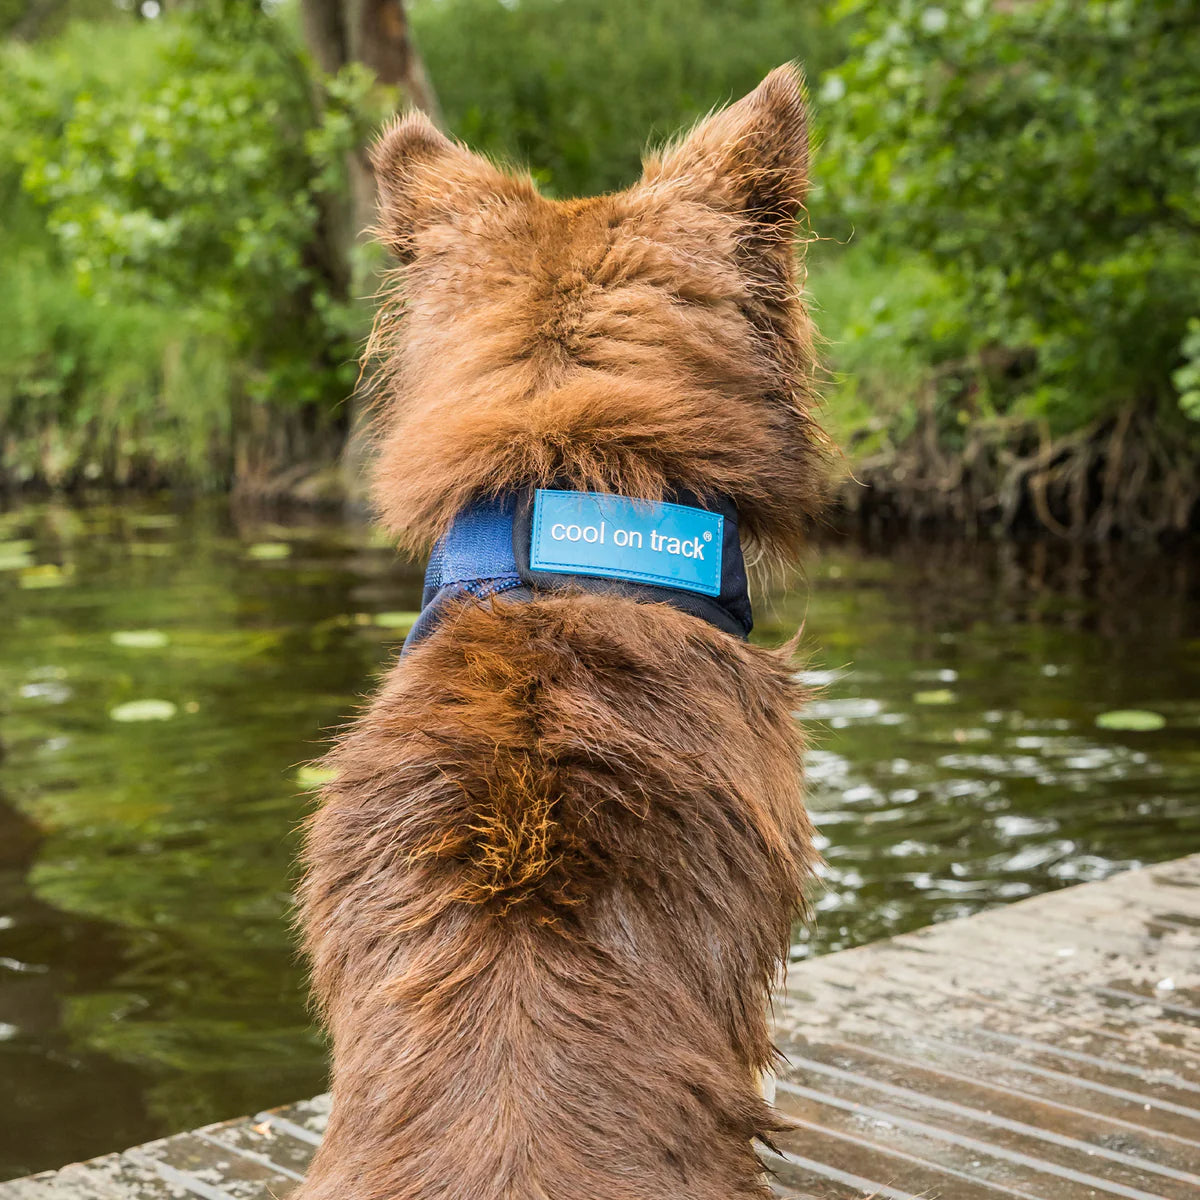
(1048, 1050)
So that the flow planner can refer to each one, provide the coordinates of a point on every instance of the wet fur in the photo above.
(549, 890)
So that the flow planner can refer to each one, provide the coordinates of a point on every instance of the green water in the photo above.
(147, 978)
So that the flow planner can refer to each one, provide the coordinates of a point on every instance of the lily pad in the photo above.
(144, 710)
(395, 620)
(1136, 720)
(269, 551)
(16, 554)
(46, 575)
(140, 639)
(312, 776)
(935, 696)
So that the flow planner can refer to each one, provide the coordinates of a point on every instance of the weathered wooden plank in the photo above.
(1145, 1076)
(1049, 1048)
(992, 1146)
(1181, 877)
(951, 991)
(111, 1177)
(787, 1193)
(208, 1169)
(39, 1187)
(1009, 1115)
(833, 1150)
(990, 954)
(825, 1179)
(305, 1120)
(269, 1147)
(1114, 1113)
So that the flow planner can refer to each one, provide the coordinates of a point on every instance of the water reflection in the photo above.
(147, 980)
(958, 760)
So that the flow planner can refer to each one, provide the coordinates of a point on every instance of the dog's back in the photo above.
(554, 878)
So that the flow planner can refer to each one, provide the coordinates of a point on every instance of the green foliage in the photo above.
(180, 200)
(576, 88)
(882, 319)
(101, 388)
(200, 178)
(1018, 185)
(31, 19)
(1187, 378)
(1044, 157)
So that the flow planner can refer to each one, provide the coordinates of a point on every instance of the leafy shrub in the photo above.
(1045, 157)
(176, 201)
(1187, 378)
(200, 178)
(102, 389)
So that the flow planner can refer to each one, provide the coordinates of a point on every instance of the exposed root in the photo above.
(1124, 476)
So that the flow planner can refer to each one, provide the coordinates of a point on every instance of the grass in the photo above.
(868, 311)
(100, 389)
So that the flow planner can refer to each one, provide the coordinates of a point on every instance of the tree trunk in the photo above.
(380, 40)
(324, 25)
(375, 33)
(384, 44)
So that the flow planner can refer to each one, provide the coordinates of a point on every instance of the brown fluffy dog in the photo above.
(551, 885)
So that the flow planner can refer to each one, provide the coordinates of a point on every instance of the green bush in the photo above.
(1045, 158)
(99, 388)
(1018, 185)
(197, 176)
(575, 88)
(173, 261)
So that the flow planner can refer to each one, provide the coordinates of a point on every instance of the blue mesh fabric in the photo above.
(479, 545)
(475, 557)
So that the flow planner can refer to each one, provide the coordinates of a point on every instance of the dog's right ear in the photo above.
(750, 159)
(426, 179)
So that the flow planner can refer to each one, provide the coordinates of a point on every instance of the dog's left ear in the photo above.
(750, 159)
(426, 179)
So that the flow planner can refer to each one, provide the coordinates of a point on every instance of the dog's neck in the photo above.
(524, 545)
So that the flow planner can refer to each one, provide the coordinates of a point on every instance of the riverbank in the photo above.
(933, 439)
(129, 396)
(1117, 480)
(1121, 478)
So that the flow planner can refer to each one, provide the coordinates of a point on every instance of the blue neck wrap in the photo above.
(677, 553)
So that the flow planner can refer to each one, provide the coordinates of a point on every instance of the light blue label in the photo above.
(644, 541)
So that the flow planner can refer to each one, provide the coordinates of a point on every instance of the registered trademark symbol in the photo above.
(708, 537)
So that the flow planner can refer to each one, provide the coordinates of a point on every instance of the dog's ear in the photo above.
(425, 179)
(750, 159)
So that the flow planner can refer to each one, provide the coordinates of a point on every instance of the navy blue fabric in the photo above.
(486, 553)
(479, 546)
(474, 558)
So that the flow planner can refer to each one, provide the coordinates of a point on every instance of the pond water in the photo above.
(147, 976)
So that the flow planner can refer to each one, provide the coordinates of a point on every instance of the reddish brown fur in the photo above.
(554, 879)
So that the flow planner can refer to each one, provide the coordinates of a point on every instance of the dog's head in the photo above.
(636, 342)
